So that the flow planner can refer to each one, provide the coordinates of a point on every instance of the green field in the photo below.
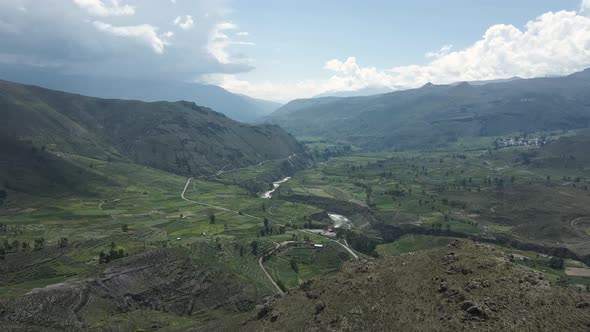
(226, 224)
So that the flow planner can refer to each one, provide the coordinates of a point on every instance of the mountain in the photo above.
(302, 104)
(484, 82)
(463, 287)
(439, 114)
(237, 107)
(356, 93)
(178, 137)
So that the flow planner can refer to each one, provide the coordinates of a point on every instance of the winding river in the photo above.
(276, 186)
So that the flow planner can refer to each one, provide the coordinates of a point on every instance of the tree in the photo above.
(212, 219)
(267, 228)
(294, 265)
(125, 228)
(556, 262)
(254, 245)
(3, 195)
(16, 245)
(102, 258)
(2, 253)
(25, 246)
(39, 243)
(63, 242)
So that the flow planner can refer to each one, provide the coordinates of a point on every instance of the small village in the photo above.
(505, 142)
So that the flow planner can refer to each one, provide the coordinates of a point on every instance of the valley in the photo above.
(528, 202)
(204, 166)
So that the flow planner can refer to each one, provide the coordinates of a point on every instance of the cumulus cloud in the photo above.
(555, 43)
(185, 24)
(143, 33)
(94, 38)
(585, 6)
(243, 34)
(219, 42)
(99, 8)
(440, 53)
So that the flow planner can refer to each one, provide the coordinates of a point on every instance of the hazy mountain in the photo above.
(357, 93)
(484, 82)
(178, 137)
(237, 107)
(437, 114)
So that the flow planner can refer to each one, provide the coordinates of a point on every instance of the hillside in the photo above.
(463, 287)
(178, 137)
(235, 106)
(435, 115)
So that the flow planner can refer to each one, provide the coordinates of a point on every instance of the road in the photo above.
(573, 222)
(352, 253)
(223, 171)
(209, 205)
(261, 263)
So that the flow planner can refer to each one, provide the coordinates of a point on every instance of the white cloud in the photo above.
(552, 44)
(243, 43)
(186, 24)
(585, 6)
(226, 26)
(144, 33)
(98, 8)
(243, 34)
(440, 53)
(219, 42)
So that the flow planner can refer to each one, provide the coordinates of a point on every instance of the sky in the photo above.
(283, 50)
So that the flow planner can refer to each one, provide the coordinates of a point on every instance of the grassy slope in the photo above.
(439, 115)
(419, 189)
(177, 137)
(429, 291)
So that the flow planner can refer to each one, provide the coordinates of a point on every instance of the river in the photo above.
(276, 186)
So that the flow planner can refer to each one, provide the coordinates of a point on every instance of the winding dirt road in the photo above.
(223, 171)
(345, 246)
(261, 263)
(209, 205)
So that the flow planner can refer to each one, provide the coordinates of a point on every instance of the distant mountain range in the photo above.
(356, 93)
(181, 137)
(235, 106)
(436, 115)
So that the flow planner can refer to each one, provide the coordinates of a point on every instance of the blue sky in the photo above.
(294, 38)
(282, 50)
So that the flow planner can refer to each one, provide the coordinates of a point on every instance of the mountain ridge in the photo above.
(236, 106)
(179, 137)
(439, 114)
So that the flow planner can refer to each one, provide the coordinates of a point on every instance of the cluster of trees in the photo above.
(39, 243)
(358, 242)
(63, 242)
(12, 230)
(270, 230)
(439, 226)
(112, 254)
(330, 152)
(17, 245)
(555, 262)
(294, 265)
(254, 245)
